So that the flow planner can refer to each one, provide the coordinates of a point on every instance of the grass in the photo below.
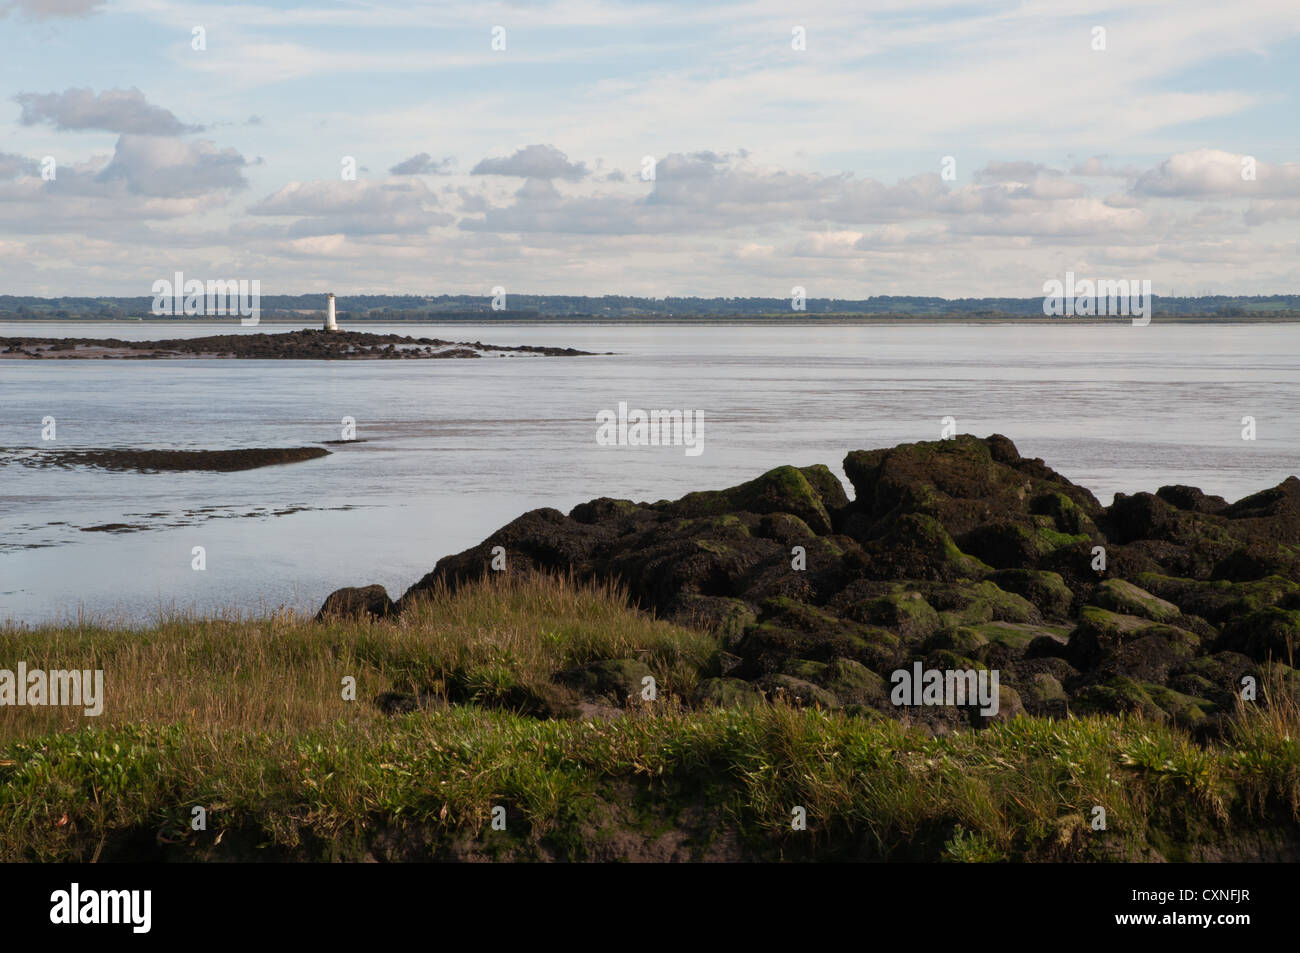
(496, 643)
(246, 718)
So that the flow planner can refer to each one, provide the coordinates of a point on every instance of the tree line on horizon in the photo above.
(414, 307)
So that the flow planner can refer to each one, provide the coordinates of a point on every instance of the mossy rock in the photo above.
(1141, 516)
(1103, 620)
(805, 669)
(963, 482)
(1266, 633)
(1124, 597)
(906, 613)
(977, 603)
(948, 660)
(1006, 544)
(963, 639)
(1119, 695)
(797, 691)
(602, 509)
(715, 546)
(727, 526)
(793, 630)
(1223, 670)
(615, 680)
(726, 693)
(854, 683)
(783, 490)
(1219, 600)
(1067, 516)
(827, 486)
(918, 547)
(786, 528)
(1197, 686)
(1014, 635)
(878, 649)
(1186, 710)
(1044, 695)
(1100, 633)
(1010, 706)
(1258, 559)
(723, 616)
(1046, 590)
(1150, 654)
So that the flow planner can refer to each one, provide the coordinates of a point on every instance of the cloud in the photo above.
(1212, 172)
(355, 208)
(11, 166)
(1029, 180)
(113, 198)
(717, 220)
(169, 168)
(113, 110)
(1096, 166)
(709, 194)
(51, 9)
(1013, 172)
(423, 164)
(1061, 220)
(534, 162)
(1271, 210)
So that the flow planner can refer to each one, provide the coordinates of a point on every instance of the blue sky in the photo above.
(775, 166)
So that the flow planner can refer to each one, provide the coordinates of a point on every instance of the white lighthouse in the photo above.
(330, 323)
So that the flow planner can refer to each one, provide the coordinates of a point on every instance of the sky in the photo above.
(960, 149)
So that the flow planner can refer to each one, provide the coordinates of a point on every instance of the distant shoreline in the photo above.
(699, 320)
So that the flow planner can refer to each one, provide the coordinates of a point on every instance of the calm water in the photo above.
(454, 449)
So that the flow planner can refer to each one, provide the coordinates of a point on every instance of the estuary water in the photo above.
(449, 450)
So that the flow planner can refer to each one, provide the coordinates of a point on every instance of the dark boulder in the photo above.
(1191, 498)
(1268, 633)
(357, 602)
(1272, 514)
(1046, 590)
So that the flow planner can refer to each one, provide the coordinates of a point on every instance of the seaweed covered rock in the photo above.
(959, 555)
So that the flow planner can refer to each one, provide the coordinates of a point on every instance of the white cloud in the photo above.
(533, 162)
(113, 110)
(360, 207)
(1213, 172)
(52, 9)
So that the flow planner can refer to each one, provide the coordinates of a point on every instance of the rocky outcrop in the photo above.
(356, 603)
(959, 554)
(308, 344)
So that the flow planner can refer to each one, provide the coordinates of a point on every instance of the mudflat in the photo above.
(155, 460)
